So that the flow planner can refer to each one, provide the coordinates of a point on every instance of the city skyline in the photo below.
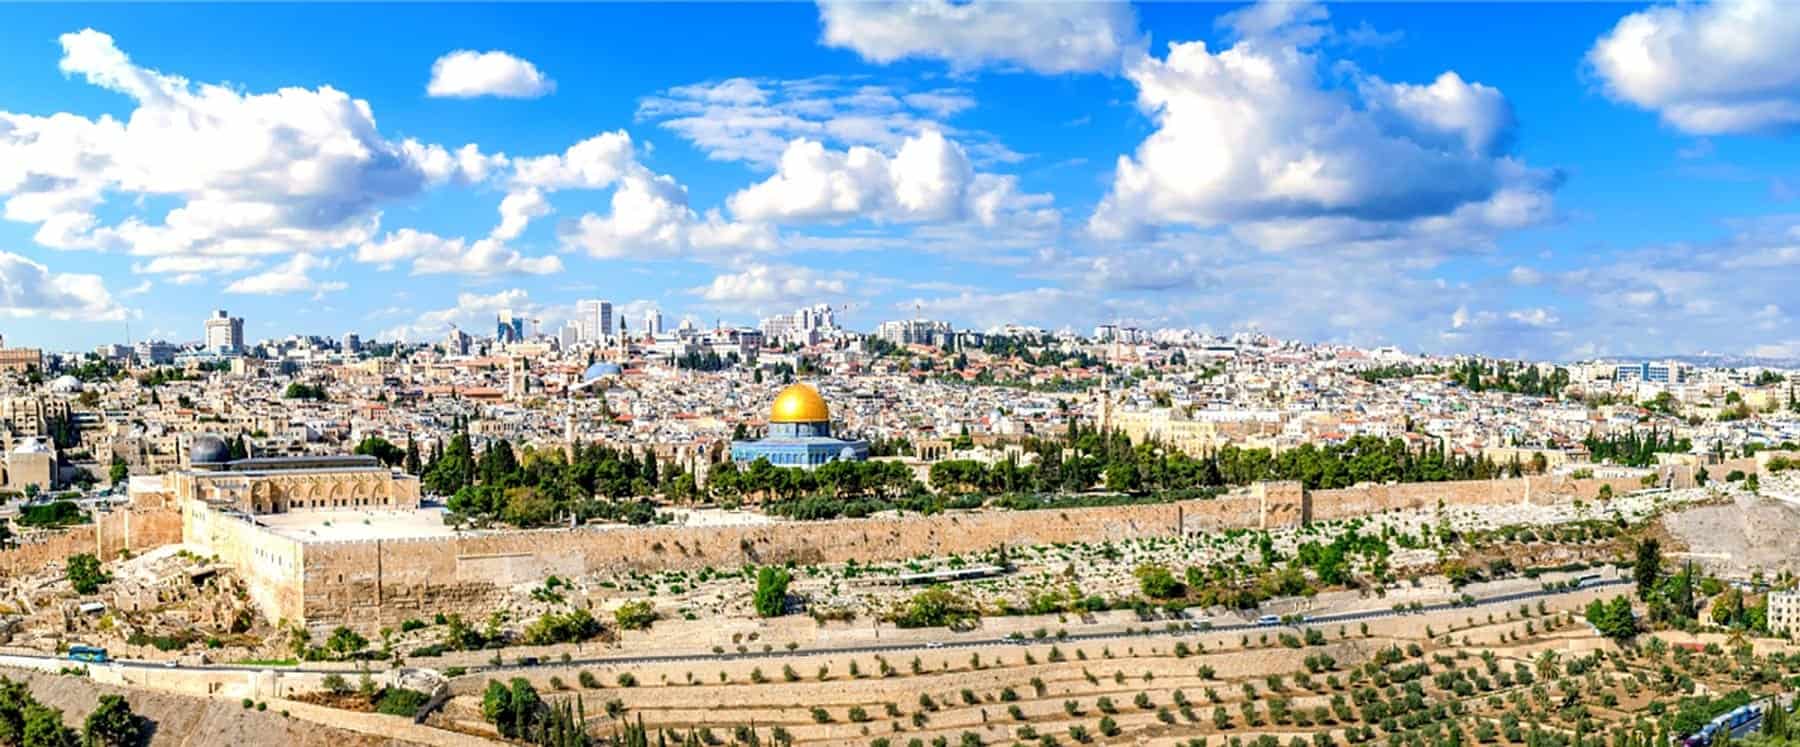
(1363, 175)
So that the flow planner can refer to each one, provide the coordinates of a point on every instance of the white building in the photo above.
(595, 320)
(1784, 612)
(914, 332)
(224, 333)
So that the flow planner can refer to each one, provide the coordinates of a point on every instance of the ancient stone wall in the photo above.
(36, 551)
(372, 584)
(1364, 500)
(136, 529)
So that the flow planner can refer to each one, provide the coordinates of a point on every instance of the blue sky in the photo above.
(1545, 180)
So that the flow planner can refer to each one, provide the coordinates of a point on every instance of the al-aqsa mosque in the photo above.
(799, 434)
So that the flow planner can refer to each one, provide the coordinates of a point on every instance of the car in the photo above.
(528, 661)
(934, 644)
(171, 663)
(1202, 624)
(1268, 620)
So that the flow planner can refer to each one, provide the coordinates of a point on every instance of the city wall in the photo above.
(1363, 500)
(133, 529)
(372, 584)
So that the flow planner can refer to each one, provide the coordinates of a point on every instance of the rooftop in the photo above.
(351, 526)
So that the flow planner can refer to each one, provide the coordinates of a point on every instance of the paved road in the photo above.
(899, 647)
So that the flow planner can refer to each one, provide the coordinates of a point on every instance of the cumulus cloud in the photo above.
(764, 288)
(1706, 68)
(1250, 137)
(292, 276)
(930, 178)
(518, 209)
(431, 254)
(467, 74)
(650, 218)
(250, 173)
(30, 290)
(1045, 37)
(753, 120)
(472, 312)
(594, 163)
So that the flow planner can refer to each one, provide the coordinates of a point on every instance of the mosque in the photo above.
(799, 434)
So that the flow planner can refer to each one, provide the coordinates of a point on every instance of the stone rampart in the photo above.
(1364, 500)
(135, 529)
(373, 584)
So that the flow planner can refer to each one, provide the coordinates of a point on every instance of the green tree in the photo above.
(112, 724)
(345, 642)
(44, 728)
(1157, 582)
(1647, 571)
(771, 590)
(83, 572)
(1613, 619)
(496, 707)
(636, 615)
(381, 449)
(411, 463)
(119, 472)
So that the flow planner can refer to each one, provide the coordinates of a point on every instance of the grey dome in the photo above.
(208, 449)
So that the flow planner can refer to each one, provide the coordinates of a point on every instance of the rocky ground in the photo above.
(189, 721)
(1741, 533)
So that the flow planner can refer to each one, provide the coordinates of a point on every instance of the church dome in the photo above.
(799, 403)
(209, 449)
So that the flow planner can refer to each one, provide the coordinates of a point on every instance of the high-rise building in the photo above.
(653, 322)
(224, 332)
(457, 342)
(595, 320)
(508, 327)
(352, 343)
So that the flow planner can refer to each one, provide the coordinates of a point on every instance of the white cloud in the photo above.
(1252, 139)
(251, 173)
(193, 265)
(765, 288)
(991, 309)
(432, 254)
(930, 178)
(1046, 37)
(30, 290)
(753, 120)
(517, 210)
(472, 312)
(594, 163)
(467, 74)
(1534, 317)
(650, 218)
(1706, 68)
(292, 276)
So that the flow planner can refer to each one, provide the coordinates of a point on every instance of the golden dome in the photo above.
(799, 403)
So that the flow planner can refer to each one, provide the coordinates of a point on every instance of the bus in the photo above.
(1586, 579)
(88, 654)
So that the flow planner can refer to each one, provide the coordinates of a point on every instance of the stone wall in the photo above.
(376, 583)
(371, 584)
(1363, 500)
(137, 529)
(270, 564)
